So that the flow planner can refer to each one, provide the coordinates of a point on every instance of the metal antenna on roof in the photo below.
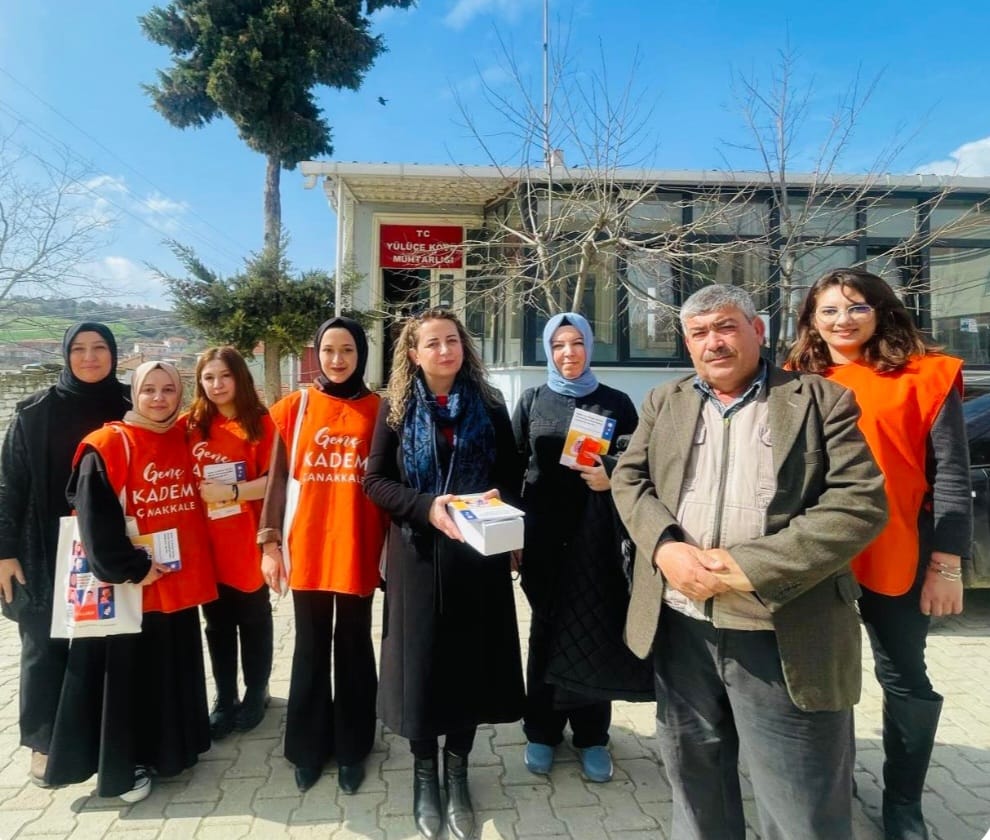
(547, 157)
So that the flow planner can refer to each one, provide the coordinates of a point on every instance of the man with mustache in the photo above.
(747, 490)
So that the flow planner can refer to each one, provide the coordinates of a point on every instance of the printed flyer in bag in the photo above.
(88, 598)
(589, 434)
(229, 472)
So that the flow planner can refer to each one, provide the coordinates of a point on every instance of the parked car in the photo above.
(976, 569)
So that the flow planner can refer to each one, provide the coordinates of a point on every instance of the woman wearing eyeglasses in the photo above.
(853, 329)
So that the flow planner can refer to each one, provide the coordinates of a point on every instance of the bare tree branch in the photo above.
(49, 227)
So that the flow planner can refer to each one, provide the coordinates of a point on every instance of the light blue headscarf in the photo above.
(587, 381)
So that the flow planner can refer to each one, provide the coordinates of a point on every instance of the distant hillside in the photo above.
(23, 320)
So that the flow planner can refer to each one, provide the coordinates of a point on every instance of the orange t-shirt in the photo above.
(161, 493)
(233, 537)
(333, 533)
(898, 411)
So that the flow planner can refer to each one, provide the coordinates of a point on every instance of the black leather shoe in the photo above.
(306, 777)
(349, 777)
(460, 811)
(223, 718)
(252, 709)
(426, 798)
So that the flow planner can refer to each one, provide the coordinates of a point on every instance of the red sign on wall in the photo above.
(420, 246)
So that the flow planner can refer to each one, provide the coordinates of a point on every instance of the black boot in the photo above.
(221, 641)
(909, 725)
(256, 661)
(426, 797)
(460, 811)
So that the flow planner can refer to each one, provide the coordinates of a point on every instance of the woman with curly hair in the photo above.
(853, 329)
(228, 424)
(450, 645)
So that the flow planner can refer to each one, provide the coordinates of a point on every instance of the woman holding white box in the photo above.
(231, 437)
(450, 645)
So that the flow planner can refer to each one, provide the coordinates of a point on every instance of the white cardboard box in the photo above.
(489, 526)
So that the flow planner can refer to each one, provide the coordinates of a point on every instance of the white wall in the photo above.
(636, 382)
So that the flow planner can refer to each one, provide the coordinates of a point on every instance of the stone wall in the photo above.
(15, 386)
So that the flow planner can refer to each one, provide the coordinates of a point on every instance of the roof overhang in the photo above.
(450, 185)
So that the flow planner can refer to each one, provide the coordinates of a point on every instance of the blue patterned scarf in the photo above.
(469, 468)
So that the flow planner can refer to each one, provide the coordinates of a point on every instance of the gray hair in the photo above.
(717, 297)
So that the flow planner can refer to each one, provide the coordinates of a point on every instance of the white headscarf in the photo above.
(134, 417)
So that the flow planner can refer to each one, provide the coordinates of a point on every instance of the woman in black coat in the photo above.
(450, 651)
(571, 569)
(35, 463)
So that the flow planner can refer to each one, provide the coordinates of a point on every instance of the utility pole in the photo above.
(546, 84)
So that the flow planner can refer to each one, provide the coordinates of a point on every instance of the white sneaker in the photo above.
(142, 786)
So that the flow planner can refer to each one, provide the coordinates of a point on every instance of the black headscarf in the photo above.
(68, 384)
(80, 408)
(353, 387)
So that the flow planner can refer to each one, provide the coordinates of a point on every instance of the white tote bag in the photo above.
(292, 488)
(83, 605)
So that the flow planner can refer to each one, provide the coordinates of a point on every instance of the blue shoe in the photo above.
(596, 764)
(539, 758)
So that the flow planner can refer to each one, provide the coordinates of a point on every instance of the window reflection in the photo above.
(653, 311)
(960, 302)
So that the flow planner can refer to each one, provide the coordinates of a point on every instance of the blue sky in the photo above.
(71, 73)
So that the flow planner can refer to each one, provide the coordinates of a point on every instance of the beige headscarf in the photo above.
(133, 418)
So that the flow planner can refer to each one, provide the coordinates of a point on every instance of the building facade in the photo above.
(626, 247)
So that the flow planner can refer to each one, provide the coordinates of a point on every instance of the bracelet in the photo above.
(944, 570)
(237, 492)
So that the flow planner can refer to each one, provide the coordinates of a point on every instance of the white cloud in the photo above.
(112, 191)
(106, 184)
(125, 280)
(120, 270)
(464, 11)
(970, 159)
(491, 77)
(158, 204)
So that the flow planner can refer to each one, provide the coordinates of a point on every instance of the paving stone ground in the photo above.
(244, 788)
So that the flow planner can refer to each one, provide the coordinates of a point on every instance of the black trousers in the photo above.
(911, 708)
(43, 663)
(545, 716)
(324, 718)
(250, 615)
(721, 695)
(898, 632)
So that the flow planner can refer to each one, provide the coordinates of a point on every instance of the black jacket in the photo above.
(572, 568)
(28, 530)
(28, 524)
(450, 654)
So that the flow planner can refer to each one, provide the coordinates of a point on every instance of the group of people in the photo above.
(771, 510)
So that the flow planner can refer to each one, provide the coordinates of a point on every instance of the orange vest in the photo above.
(233, 538)
(161, 493)
(334, 532)
(898, 411)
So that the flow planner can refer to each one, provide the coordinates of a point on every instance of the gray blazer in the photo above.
(829, 505)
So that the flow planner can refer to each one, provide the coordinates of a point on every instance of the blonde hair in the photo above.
(400, 382)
